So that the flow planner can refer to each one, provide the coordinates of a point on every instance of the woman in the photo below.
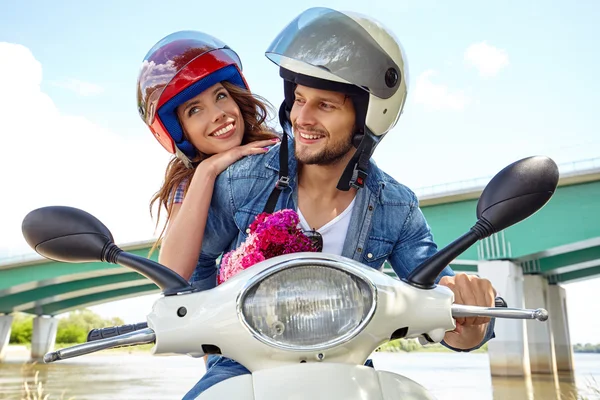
(193, 97)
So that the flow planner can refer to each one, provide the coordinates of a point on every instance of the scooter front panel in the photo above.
(317, 381)
(396, 387)
(238, 388)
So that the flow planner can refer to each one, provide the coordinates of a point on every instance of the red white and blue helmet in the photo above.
(176, 69)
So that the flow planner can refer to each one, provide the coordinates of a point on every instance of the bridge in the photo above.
(526, 263)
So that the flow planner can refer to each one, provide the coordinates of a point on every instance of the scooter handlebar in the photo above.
(460, 311)
(137, 337)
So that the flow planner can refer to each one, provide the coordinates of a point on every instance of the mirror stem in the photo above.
(426, 273)
(167, 280)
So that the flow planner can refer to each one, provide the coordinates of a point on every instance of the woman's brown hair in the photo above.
(254, 110)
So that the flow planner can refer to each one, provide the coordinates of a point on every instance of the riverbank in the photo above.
(23, 350)
(397, 346)
(138, 376)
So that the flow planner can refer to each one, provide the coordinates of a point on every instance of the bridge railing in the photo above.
(566, 169)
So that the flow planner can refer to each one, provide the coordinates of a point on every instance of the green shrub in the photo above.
(71, 329)
(22, 327)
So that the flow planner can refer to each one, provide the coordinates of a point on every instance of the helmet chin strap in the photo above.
(284, 180)
(186, 161)
(355, 173)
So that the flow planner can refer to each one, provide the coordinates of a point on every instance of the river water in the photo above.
(142, 376)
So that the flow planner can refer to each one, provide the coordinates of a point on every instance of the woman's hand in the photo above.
(217, 163)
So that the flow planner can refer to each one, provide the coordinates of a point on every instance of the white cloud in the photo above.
(488, 60)
(80, 87)
(438, 97)
(49, 158)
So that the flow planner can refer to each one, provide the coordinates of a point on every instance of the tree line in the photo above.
(73, 328)
(412, 345)
(586, 348)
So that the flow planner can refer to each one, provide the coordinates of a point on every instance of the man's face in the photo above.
(323, 124)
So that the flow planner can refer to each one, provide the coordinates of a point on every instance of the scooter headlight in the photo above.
(306, 306)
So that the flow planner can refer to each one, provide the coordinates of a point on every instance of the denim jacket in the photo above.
(386, 222)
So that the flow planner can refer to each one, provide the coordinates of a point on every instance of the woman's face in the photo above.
(212, 120)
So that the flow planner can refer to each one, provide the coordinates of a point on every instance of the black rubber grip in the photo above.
(103, 333)
(500, 302)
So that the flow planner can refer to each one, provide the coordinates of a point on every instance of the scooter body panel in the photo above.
(318, 381)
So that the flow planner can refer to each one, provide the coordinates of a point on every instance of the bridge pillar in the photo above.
(539, 334)
(508, 351)
(43, 336)
(5, 327)
(559, 323)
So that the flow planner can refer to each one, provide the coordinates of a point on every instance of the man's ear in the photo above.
(288, 93)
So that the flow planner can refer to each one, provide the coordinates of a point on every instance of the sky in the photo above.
(489, 83)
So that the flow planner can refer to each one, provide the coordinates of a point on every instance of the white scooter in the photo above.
(304, 324)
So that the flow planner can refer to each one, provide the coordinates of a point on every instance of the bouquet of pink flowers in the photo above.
(270, 235)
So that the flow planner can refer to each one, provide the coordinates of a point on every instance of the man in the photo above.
(345, 88)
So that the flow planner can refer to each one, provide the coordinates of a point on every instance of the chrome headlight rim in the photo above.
(343, 266)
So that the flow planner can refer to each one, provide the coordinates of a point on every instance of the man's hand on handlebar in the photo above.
(473, 291)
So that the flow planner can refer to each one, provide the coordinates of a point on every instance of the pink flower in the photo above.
(271, 235)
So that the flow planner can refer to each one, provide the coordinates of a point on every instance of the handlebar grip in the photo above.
(500, 302)
(103, 333)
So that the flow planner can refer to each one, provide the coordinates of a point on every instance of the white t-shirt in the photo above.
(334, 232)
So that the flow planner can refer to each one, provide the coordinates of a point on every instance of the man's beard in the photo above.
(329, 155)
